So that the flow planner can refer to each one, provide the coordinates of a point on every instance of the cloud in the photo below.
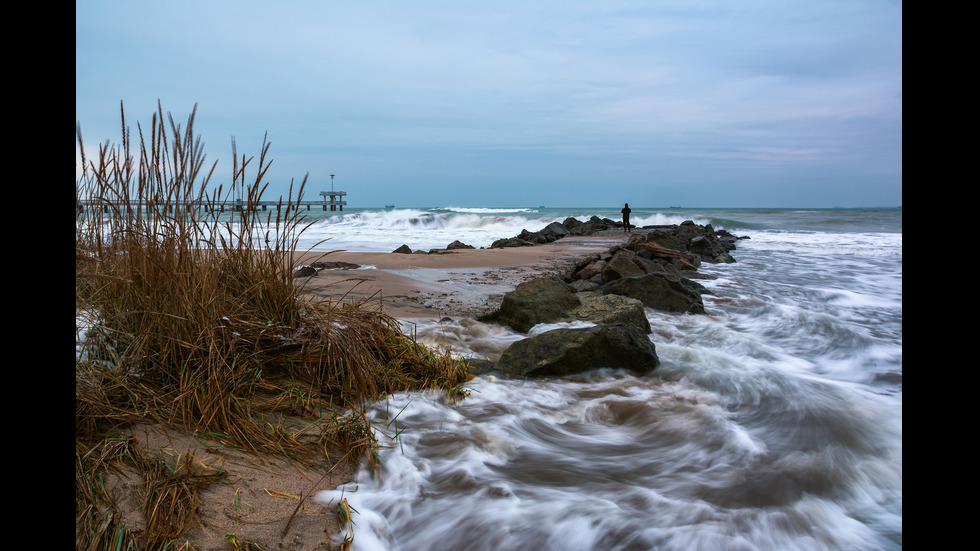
(441, 93)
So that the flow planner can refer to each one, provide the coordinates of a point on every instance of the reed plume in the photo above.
(192, 318)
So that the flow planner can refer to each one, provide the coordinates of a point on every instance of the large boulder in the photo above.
(710, 248)
(573, 350)
(572, 224)
(666, 239)
(609, 309)
(540, 300)
(591, 270)
(549, 234)
(660, 291)
(537, 238)
(653, 250)
(335, 265)
(554, 231)
(688, 230)
(624, 263)
(305, 271)
(510, 242)
(458, 245)
(592, 225)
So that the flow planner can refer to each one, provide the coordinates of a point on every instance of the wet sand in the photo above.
(453, 283)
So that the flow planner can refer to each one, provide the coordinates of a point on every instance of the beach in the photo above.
(444, 283)
(773, 421)
(262, 502)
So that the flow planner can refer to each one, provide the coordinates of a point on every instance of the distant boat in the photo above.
(390, 206)
(675, 207)
(540, 206)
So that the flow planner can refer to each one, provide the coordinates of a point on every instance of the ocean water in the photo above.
(383, 230)
(773, 423)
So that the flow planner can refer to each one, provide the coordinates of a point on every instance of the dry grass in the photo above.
(194, 322)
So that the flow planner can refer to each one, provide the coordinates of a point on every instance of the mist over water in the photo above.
(773, 422)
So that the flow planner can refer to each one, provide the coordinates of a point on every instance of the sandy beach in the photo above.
(266, 500)
(714, 359)
(453, 283)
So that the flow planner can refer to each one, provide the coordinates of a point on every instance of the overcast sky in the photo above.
(754, 103)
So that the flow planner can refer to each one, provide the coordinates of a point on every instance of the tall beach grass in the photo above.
(198, 325)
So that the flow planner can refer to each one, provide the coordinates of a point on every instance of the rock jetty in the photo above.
(608, 291)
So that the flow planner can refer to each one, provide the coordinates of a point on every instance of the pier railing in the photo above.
(332, 200)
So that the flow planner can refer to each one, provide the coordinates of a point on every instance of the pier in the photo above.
(330, 200)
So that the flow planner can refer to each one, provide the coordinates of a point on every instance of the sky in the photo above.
(565, 103)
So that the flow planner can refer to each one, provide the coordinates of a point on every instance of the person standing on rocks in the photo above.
(626, 218)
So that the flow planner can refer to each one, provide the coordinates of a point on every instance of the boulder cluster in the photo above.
(550, 233)
(315, 268)
(609, 292)
(405, 249)
(600, 303)
(556, 230)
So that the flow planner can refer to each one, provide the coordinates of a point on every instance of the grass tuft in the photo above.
(190, 318)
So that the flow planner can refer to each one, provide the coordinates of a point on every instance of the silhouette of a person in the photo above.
(626, 218)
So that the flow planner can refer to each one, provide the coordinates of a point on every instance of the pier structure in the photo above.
(335, 204)
(332, 200)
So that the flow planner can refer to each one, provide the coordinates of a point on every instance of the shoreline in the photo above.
(269, 499)
(455, 283)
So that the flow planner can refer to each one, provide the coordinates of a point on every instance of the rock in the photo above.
(590, 270)
(624, 263)
(550, 233)
(404, 249)
(581, 285)
(566, 351)
(533, 237)
(672, 249)
(510, 242)
(335, 265)
(709, 248)
(557, 230)
(478, 366)
(572, 224)
(667, 240)
(305, 271)
(609, 309)
(540, 300)
(314, 268)
(678, 257)
(633, 240)
(660, 291)
(670, 267)
(688, 230)
(458, 245)
(554, 231)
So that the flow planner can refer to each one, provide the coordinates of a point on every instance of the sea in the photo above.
(774, 421)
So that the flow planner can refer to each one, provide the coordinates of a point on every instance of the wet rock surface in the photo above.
(567, 351)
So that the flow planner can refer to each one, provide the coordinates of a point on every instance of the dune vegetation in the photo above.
(191, 319)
